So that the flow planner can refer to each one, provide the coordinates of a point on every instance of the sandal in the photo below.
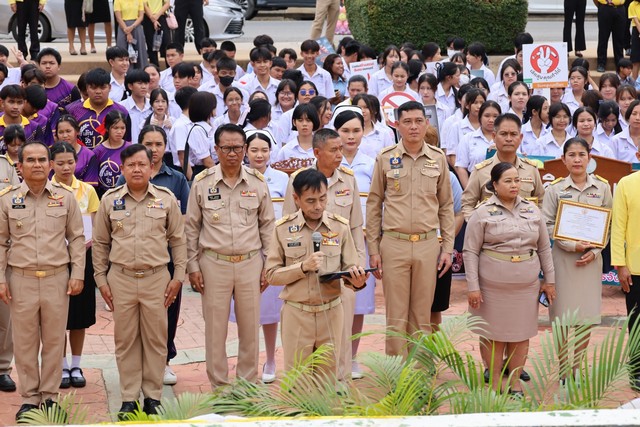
(72, 52)
(77, 382)
(93, 50)
(83, 52)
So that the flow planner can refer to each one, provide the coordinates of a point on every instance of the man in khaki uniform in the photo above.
(41, 235)
(8, 177)
(343, 198)
(131, 230)
(312, 314)
(411, 180)
(229, 225)
(507, 138)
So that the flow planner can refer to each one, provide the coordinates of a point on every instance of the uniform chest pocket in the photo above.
(526, 188)
(331, 258)
(294, 254)
(497, 226)
(398, 182)
(20, 222)
(249, 210)
(528, 223)
(216, 212)
(429, 179)
(155, 221)
(56, 217)
(121, 223)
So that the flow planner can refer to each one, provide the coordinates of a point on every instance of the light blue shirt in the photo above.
(362, 167)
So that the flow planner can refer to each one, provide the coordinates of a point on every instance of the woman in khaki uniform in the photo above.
(578, 265)
(507, 233)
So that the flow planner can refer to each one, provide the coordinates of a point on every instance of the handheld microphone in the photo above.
(316, 238)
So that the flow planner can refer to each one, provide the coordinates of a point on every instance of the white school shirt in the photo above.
(623, 147)
(220, 106)
(277, 181)
(602, 135)
(206, 74)
(448, 100)
(117, 91)
(285, 125)
(500, 95)
(571, 101)
(322, 80)
(239, 73)
(549, 147)
(406, 90)
(457, 133)
(379, 82)
(443, 112)
(362, 167)
(292, 149)
(472, 150)
(178, 136)
(201, 143)
(599, 148)
(137, 116)
(623, 122)
(529, 142)
(174, 109)
(252, 84)
(380, 137)
(166, 80)
(224, 120)
(275, 132)
(448, 126)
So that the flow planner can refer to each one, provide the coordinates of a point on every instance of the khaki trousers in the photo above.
(409, 282)
(329, 10)
(140, 331)
(346, 351)
(38, 313)
(303, 332)
(223, 279)
(6, 341)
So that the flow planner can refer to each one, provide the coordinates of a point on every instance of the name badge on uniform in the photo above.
(526, 210)
(495, 211)
(54, 204)
(342, 193)
(594, 196)
(214, 190)
(565, 195)
(294, 244)
(118, 205)
(214, 197)
(156, 204)
(395, 161)
(248, 193)
(294, 229)
(18, 202)
(331, 242)
(431, 164)
(526, 179)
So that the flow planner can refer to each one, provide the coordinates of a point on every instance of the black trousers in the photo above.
(611, 20)
(173, 314)
(577, 8)
(627, 32)
(633, 304)
(28, 13)
(149, 32)
(195, 9)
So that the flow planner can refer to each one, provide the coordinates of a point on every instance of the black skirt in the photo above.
(82, 307)
(101, 12)
(73, 13)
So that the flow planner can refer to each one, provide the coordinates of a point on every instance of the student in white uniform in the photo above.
(608, 125)
(508, 74)
(285, 99)
(448, 80)
(518, 97)
(474, 145)
(584, 121)
(305, 92)
(471, 121)
(536, 118)
(551, 143)
(305, 121)
(625, 144)
(399, 76)
(375, 136)
(578, 83)
(381, 79)
(258, 117)
(202, 109)
(349, 123)
(477, 59)
(234, 106)
(427, 88)
(451, 123)
(625, 95)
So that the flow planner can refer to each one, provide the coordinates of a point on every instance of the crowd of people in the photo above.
(251, 183)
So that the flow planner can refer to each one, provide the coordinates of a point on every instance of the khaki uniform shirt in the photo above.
(597, 192)
(343, 198)
(8, 174)
(531, 185)
(416, 194)
(494, 227)
(34, 230)
(228, 220)
(134, 234)
(292, 244)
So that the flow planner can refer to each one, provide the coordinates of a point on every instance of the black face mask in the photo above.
(205, 56)
(226, 81)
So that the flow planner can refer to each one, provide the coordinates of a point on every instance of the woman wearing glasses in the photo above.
(508, 75)
(306, 91)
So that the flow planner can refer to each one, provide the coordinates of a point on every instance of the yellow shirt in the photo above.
(625, 227)
(155, 5)
(130, 9)
(634, 10)
(613, 2)
(85, 194)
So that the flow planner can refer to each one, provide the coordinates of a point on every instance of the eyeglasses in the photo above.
(286, 93)
(235, 148)
(304, 92)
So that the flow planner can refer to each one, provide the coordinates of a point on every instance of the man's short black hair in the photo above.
(12, 91)
(278, 62)
(27, 144)
(49, 51)
(134, 149)
(36, 96)
(136, 76)
(183, 95)
(4, 70)
(229, 127)
(260, 54)
(351, 48)
(226, 63)
(97, 77)
(28, 74)
(183, 69)
(114, 52)
(309, 179)
(3, 50)
(228, 46)
(521, 39)
(358, 78)
(176, 46)
(288, 51)
(624, 63)
(507, 117)
(310, 46)
(263, 40)
(410, 106)
(208, 42)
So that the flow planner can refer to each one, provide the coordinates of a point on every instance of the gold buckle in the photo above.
(40, 274)
(138, 274)
(515, 258)
(414, 237)
(236, 258)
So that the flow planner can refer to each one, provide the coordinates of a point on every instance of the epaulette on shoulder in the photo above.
(202, 175)
(555, 181)
(601, 178)
(346, 170)
(258, 174)
(62, 185)
(436, 149)
(389, 148)
(483, 164)
(339, 218)
(297, 171)
(529, 161)
(7, 189)
(113, 190)
(161, 188)
(283, 220)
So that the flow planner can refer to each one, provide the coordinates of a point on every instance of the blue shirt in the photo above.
(173, 180)
(456, 192)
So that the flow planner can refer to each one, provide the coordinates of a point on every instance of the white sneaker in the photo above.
(170, 377)
(268, 377)
(356, 373)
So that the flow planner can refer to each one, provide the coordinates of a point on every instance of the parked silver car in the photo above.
(224, 17)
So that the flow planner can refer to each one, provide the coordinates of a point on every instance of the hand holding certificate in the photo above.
(582, 223)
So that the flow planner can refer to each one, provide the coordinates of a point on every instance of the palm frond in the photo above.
(69, 410)
(185, 406)
(383, 374)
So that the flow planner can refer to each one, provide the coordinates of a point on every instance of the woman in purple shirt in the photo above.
(67, 130)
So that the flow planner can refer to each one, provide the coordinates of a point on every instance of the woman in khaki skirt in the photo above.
(505, 246)
(578, 265)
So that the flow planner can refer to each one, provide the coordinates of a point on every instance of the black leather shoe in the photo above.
(151, 406)
(66, 381)
(52, 405)
(524, 376)
(600, 69)
(26, 407)
(127, 408)
(6, 383)
(76, 381)
(486, 376)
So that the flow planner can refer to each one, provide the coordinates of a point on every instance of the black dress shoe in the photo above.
(66, 381)
(6, 383)
(76, 381)
(151, 406)
(127, 408)
(26, 407)
(52, 405)
(486, 376)
(524, 376)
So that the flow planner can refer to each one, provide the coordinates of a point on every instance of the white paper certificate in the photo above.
(583, 223)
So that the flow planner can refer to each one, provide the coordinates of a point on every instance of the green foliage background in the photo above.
(495, 23)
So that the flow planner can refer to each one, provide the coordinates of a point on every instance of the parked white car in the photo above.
(553, 7)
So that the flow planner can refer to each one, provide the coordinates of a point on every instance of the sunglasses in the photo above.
(304, 92)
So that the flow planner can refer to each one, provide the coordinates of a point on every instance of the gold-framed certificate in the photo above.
(582, 223)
